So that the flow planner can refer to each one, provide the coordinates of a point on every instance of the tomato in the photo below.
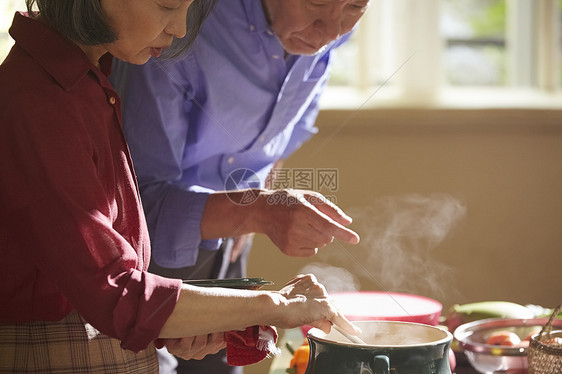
(528, 337)
(506, 338)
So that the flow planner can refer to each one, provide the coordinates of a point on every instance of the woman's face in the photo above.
(144, 28)
(305, 26)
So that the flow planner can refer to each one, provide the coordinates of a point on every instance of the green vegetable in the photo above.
(461, 314)
(491, 309)
(541, 312)
(290, 348)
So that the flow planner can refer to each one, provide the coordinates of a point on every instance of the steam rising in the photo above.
(335, 279)
(398, 235)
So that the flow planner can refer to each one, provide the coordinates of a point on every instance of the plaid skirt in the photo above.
(68, 346)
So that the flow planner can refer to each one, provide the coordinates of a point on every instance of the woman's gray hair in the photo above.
(84, 22)
(81, 21)
(198, 11)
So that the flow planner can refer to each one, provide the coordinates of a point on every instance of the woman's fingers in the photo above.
(317, 308)
(345, 325)
(305, 285)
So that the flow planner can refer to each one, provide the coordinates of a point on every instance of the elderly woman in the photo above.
(76, 294)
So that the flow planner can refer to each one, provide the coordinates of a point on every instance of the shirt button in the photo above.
(252, 28)
(230, 160)
(269, 32)
(275, 57)
(112, 100)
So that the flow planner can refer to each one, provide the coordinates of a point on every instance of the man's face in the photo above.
(305, 26)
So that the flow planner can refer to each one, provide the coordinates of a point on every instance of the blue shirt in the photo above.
(233, 102)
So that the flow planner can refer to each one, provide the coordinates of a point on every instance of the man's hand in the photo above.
(300, 222)
(196, 347)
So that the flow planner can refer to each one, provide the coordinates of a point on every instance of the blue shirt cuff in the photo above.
(211, 244)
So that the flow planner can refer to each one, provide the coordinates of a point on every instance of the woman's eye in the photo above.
(170, 6)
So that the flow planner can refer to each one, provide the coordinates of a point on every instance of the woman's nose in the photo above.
(178, 25)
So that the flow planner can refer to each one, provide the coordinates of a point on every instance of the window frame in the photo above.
(417, 79)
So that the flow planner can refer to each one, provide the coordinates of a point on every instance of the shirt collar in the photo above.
(60, 57)
(256, 15)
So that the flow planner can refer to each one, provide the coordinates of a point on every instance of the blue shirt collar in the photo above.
(256, 16)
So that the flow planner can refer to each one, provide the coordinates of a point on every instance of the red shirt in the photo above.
(72, 230)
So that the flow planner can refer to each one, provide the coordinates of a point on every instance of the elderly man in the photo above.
(205, 130)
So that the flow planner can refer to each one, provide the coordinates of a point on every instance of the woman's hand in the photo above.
(300, 222)
(307, 303)
(196, 347)
(203, 310)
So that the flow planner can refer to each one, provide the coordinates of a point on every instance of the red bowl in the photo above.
(386, 306)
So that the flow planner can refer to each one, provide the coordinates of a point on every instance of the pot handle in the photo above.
(380, 364)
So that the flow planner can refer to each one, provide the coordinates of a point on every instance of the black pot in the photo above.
(391, 347)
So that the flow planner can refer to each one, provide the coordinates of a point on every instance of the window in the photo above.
(475, 42)
(560, 44)
(433, 51)
(7, 10)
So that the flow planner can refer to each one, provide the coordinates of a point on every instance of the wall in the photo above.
(503, 166)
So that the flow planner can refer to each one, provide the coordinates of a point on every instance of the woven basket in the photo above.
(545, 350)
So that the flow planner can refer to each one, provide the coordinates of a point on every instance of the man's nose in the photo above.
(329, 23)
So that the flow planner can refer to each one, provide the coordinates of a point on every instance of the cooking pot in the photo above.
(391, 346)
